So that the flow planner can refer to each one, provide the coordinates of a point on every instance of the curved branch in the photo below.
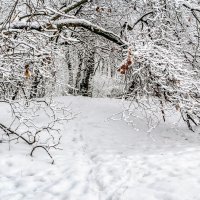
(42, 147)
(8, 131)
(69, 8)
(141, 18)
(66, 23)
(91, 27)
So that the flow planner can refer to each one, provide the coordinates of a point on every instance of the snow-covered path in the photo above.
(106, 160)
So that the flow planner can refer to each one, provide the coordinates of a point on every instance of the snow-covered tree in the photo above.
(51, 48)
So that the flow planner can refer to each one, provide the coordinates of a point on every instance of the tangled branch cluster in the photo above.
(35, 122)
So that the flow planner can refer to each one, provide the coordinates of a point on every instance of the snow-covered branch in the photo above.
(69, 8)
(67, 23)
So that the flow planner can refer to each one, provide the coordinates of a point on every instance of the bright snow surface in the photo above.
(105, 160)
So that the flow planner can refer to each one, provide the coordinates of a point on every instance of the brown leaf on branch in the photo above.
(27, 72)
(127, 63)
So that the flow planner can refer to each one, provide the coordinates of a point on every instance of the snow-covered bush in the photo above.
(165, 72)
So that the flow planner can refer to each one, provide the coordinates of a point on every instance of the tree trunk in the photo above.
(36, 81)
(79, 72)
(85, 86)
(69, 67)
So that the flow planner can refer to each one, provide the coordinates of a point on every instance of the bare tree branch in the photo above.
(69, 8)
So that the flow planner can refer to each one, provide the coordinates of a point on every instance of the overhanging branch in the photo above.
(91, 27)
(66, 23)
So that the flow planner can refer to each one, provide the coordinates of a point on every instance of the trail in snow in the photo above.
(106, 160)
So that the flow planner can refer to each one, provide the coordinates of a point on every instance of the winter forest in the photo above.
(99, 99)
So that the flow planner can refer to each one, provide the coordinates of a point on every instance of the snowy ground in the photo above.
(106, 160)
